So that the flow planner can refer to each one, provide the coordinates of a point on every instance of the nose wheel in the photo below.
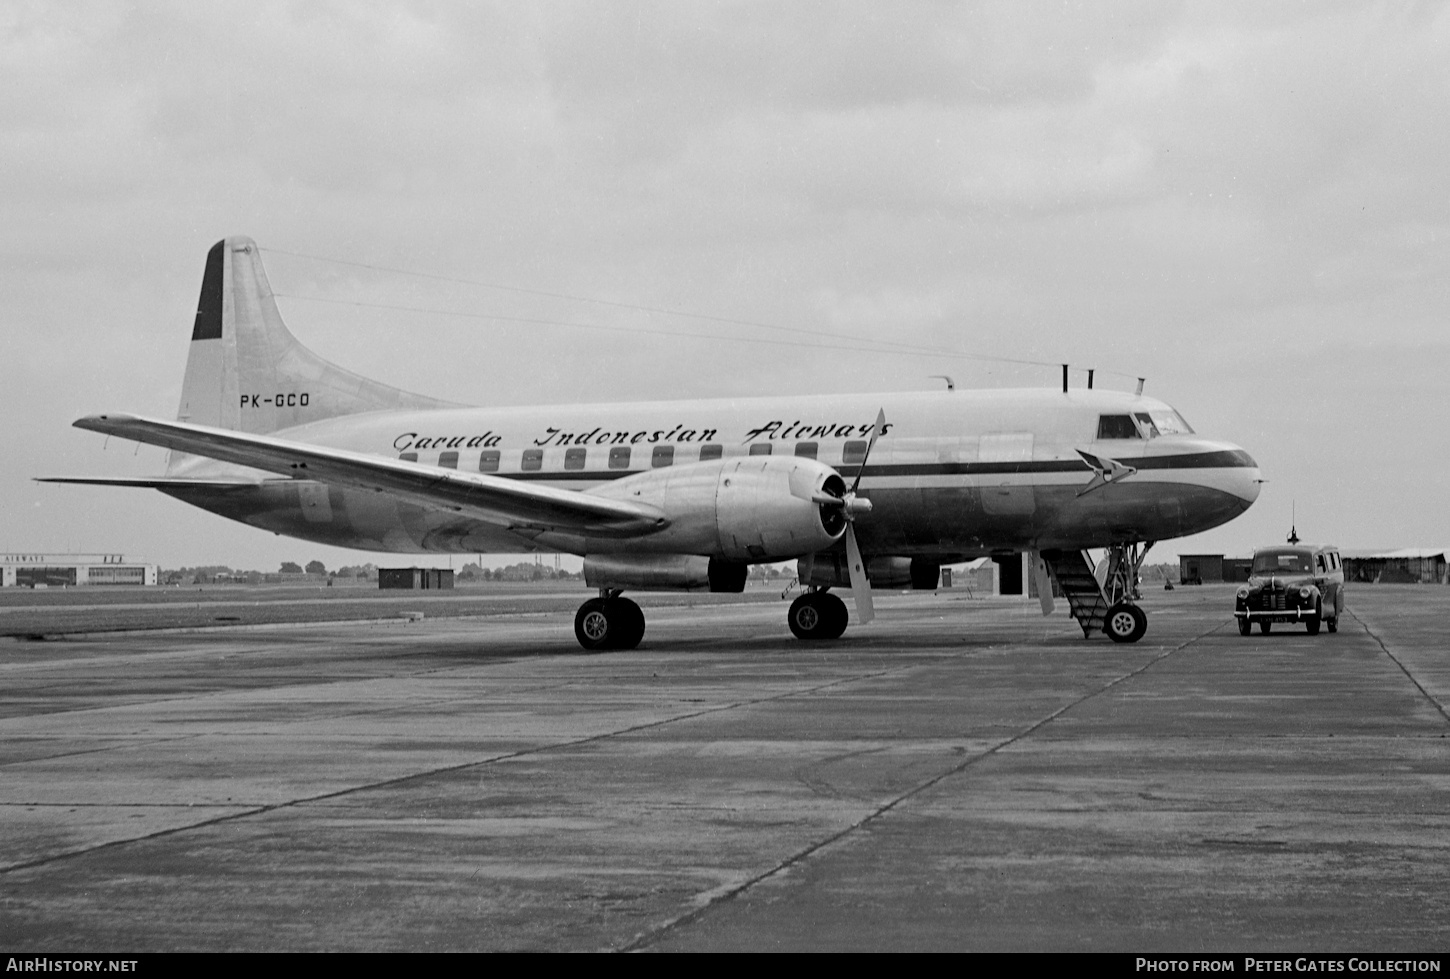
(1125, 623)
(609, 622)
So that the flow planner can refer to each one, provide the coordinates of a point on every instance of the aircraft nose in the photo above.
(1239, 474)
(1221, 468)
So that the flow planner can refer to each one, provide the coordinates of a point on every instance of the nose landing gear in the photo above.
(1109, 604)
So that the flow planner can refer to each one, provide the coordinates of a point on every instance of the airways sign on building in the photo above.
(60, 570)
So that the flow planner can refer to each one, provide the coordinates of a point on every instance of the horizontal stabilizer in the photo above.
(495, 499)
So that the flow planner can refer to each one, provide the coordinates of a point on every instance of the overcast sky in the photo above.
(1249, 204)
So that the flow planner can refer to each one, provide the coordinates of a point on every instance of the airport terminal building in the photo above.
(72, 570)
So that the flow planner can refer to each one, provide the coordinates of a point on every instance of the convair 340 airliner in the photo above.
(863, 490)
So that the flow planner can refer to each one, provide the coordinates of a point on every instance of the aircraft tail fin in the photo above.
(247, 372)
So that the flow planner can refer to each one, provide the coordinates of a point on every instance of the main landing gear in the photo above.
(609, 622)
(817, 615)
(612, 622)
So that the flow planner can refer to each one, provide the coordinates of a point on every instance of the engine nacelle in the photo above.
(832, 571)
(664, 572)
(743, 509)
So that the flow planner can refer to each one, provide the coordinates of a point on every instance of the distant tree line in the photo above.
(523, 571)
(213, 574)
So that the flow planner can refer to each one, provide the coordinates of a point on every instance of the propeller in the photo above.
(851, 506)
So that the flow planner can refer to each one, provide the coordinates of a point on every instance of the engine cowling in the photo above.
(883, 571)
(751, 508)
(664, 572)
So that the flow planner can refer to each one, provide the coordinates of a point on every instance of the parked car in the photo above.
(1292, 583)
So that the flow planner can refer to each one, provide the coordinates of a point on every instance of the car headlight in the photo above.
(1243, 592)
(1305, 592)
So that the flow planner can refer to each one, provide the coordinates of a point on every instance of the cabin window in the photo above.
(533, 460)
(711, 450)
(854, 453)
(1319, 563)
(807, 449)
(409, 457)
(663, 455)
(488, 461)
(574, 458)
(619, 457)
(760, 449)
(1117, 427)
(448, 460)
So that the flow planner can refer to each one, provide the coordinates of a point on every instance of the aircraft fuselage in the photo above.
(953, 475)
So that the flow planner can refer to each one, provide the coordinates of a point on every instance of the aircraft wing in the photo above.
(505, 502)
(149, 482)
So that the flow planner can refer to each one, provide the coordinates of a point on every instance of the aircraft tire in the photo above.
(1245, 626)
(836, 616)
(592, 625)
(817, 615)
(630, 629)
(1265, 626)
(615, 623)
(1125, 623)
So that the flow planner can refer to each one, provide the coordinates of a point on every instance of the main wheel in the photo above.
(835, 614)
(1125, 623)
(630, 623)
(817, 615)
(1333, 624)
(614, 623)
(1265, 625)
(1312, 623)
(1245, 626)
(592, 625)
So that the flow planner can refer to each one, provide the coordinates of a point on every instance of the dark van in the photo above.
(1292, 583)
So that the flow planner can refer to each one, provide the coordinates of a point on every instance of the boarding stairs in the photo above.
(1084, 593)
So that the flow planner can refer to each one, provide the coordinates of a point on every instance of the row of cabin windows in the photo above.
(619, 456)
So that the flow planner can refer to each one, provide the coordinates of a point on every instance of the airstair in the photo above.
(1075, 579)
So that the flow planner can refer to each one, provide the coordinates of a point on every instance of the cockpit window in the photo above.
(1145, 422)
(1170, 423)
(1280, 562)
(1117, 427)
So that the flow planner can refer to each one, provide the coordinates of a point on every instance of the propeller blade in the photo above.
(875, 433)
(1044, 583)
(860, 586)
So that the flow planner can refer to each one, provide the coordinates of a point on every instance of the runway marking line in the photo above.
(1403, 668)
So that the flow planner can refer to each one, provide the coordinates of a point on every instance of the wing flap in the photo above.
(495, 499)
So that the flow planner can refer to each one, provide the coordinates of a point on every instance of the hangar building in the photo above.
(1410, 565)
(62, 570)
